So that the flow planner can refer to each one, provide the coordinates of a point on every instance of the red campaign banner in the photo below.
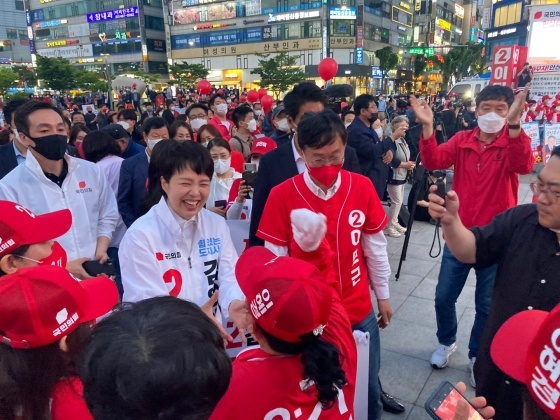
(506, 62)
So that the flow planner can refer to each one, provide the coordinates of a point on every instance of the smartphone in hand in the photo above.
(249, 173)
(443, 402)
(95, 268)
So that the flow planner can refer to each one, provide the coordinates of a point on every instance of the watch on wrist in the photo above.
(514, 126)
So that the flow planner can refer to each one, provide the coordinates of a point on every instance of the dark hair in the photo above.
(99, 144)
(349, 112)
(362, 102)
(239, 114)
(21, 117)
(5, 136)
(169, 157)
(168, 116)
(176, 125)
(181, 118)
(74, 114)
(74, 131)
(18, 252)
(197, 105)
(322, 364)
(301, 94)
(28, 377)
(555, 152)
(10, 109)
(160, 358)
(495, 93)
(213, 99)
(128, 114)
(219, 142)
(110, 116)
(531, 410)
(153, 122)
(319, 129)
(212, 129)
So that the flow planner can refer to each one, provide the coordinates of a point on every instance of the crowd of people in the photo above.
(119, 270)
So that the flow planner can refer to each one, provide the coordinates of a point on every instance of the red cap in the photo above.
(263, 145)
(452, 94)
(287, 297)
(556, 103)
(545, 97)
(42, 304)
(20, 226)
(527, 348)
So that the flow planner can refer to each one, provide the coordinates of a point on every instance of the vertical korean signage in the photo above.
(360, 32)
(506, 62)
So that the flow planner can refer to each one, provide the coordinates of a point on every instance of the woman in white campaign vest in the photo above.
(178, 248)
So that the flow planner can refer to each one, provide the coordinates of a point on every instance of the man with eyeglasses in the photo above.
(198, 116)
(525, 244)
(354, 220)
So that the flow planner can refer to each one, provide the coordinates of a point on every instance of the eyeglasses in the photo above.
(538, 189)
(335, 160)
(194, 117)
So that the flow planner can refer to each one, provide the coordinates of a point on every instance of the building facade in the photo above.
(225, 35)
(113, 35)
(14, 40)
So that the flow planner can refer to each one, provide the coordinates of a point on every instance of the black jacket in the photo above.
(132, 187)
(8, 159)
(276, 167)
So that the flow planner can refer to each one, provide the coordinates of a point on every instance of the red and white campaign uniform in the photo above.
(355, 220)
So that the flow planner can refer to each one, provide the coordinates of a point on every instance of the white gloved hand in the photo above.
(308, 228)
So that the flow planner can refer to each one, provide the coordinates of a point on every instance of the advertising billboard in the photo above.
(544, 27)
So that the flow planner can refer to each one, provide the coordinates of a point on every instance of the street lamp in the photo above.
(108, 76)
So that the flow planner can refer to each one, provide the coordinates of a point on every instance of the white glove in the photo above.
(308, 228)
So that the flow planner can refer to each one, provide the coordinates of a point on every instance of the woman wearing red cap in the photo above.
(44, 324)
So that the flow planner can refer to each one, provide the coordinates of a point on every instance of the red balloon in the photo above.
(266, 102)
(243, 98)
(204, 87)
(253, 96)
(328, 68)
(220, 91)
(262, 92)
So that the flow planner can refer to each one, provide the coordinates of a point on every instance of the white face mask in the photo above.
(228, 101)
(283, 125)
(221, 109)
(205, 143)
(252, 126)
(472, 108)
(347, 125)
(256, 162)
(533, 108)
(258, 112)
(152, 143)
(197, 123)
(491, 123)
(221, 166)
(16, 136)
(379, 132)
(558, 109)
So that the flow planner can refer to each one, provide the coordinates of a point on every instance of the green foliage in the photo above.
(145, 77)
(56, 73)
(26, 75)
(420, 64)
(278, 73)
(16, 95)
(461, 62)
(8, 79)
(388, 60)
(90, 80)
(188, 74)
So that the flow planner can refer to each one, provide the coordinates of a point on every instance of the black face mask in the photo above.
(373, 118)
(52, 147)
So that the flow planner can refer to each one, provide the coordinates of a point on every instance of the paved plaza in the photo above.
(407, 344)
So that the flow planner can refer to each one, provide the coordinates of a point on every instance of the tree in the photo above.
(448, 64)
(188, 74)
(8, 79)
(388, 60)
(57, 73)
(419, 65)
(145, 77)
(26, 75)
(461, 62)
(278, 73)
(89, 80)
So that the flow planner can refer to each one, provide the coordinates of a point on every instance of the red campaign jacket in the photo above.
(224, 132)
(487, 183)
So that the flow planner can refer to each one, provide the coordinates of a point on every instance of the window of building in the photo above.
(154, 23)
(117, 47)
(507, 15)
(342, 27)
(153, 3)
(156, 67)
(11, 33)
(19, 5)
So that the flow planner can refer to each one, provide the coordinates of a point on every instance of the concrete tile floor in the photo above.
(407, 344)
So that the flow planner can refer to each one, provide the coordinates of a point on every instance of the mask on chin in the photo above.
(57, 257)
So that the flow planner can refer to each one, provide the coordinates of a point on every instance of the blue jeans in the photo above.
(113, 254)
(452, 277)
(369, 324)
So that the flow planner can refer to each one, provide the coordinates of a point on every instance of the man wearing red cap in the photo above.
(525, 244)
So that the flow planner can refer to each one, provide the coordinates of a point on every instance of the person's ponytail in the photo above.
(322, 365)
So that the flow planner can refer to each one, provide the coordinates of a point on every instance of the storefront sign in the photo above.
(376, 73)
(486, 15)
(62, 43)
(202, 26)
(342, 42)
(123, 13)
(342, 13)
(443, 24)
(459, 11)
(73, 51)
(421, 50)
(404, 5)
(280, 17)
(505, 63)
(401, 16)
(359, 55)
(494, 34)
(50, 23)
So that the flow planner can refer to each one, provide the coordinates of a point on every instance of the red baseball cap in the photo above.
(263, 145)
(527, 348)
(20, 226)
(42, 304)
(287, 297)
(545, 97)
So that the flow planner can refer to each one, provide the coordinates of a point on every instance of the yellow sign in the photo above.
(443, 24)
(262, 47)
(459, 11)
(56, 43)
(343, 42)
(405, 5)
(417, 5)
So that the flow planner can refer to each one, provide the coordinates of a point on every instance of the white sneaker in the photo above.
(440, 357)
(399, 228)
(392, 232)
(471, 370)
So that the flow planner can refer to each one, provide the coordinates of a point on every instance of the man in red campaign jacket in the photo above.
(219, 108)
(354, 229)
(297, 317)
(487, 163)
